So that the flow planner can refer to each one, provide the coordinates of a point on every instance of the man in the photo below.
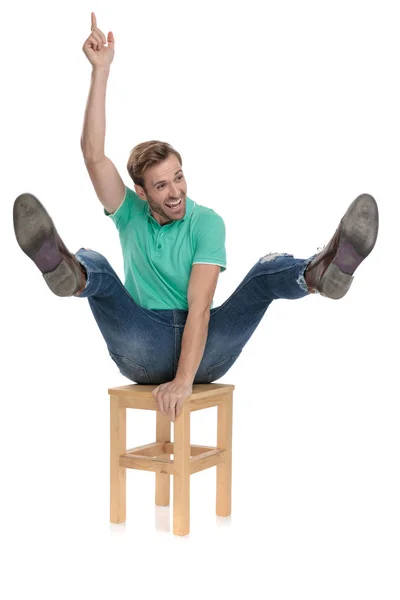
(161, 327)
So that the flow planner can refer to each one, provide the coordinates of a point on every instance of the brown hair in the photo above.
(146, 155)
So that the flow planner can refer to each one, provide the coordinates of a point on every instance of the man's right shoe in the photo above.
(38, 238)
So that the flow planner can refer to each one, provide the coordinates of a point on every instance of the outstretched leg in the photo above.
(329, 273)
(130, 331)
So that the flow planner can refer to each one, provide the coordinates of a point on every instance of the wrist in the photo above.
(102, 70)
(183, 379)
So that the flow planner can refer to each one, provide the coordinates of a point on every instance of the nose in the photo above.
(175, 191)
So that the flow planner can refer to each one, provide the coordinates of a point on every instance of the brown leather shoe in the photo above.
(331, 271)
(39, 239)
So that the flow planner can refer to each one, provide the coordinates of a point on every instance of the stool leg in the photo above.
(181, 519)
(224, 469)
(163, 434)
(117, 473)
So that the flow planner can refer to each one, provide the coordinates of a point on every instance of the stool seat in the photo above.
(155, 456)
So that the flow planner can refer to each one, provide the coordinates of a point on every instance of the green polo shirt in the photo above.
(158, 258)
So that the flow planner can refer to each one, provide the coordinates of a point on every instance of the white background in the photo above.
(283, 112)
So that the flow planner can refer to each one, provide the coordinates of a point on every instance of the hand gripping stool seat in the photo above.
(187, 458)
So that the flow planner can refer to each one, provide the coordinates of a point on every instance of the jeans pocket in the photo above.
(219, 369)
(134, 372)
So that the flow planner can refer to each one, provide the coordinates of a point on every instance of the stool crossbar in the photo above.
(187, 458)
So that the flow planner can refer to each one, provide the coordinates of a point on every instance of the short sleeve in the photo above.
(210, 240)
(130, 205)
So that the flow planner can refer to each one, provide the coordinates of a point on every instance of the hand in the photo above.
(171, 396)
(98, 54)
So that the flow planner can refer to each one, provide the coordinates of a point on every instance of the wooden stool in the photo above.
(187, 458)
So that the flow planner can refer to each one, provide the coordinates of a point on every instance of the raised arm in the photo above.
(107, 182)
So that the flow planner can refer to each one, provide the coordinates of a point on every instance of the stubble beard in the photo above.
(159, 210)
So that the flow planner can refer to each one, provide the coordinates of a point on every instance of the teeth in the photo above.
(174, 204)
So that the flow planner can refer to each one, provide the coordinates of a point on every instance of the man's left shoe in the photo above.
(331, 271)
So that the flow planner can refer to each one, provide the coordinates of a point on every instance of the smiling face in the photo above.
(165, 185)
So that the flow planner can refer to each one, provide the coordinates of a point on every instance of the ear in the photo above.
(140, 192)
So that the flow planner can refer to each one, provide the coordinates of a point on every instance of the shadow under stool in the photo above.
(187, 458)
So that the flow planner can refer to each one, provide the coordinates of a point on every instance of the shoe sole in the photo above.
(36, 236)
(357, 239)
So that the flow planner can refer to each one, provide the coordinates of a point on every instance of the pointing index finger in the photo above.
(94, 24)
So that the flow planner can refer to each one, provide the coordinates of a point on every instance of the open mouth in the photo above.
(174, 205)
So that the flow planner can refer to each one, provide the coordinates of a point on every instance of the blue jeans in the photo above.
(145, 344)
